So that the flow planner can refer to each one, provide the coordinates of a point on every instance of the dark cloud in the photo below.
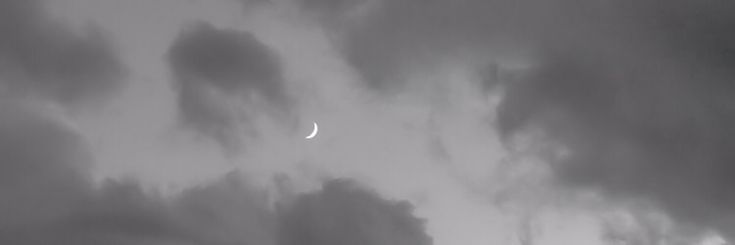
(46, 197)
(345, 213)
(333, 6)
(39, 55)
(39, 167)
(639, 92)
(633, 130)
(208, 62)
(650, 119)
(390, 40)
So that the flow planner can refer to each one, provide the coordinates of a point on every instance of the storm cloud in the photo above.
(208, 63)
(653, 124)
(389, 41)
(638, 94)
(40, 56)
(345, 213)
(496, 118)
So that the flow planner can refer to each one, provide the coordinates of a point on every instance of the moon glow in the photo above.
(313, 133)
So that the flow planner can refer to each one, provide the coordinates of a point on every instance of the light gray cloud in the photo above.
(39, 55)
(46, 197)
(206, 61)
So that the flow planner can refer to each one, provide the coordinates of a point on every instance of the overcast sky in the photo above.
(473, 122)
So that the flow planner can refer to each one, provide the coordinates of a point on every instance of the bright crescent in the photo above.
(313, 133)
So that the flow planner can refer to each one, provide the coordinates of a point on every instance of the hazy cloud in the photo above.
(209, 64)
(41, 56)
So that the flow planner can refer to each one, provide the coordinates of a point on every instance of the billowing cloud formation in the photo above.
(46, 197)
(344, 213)
(652, 123)
(41, 56)
(210, 64)
(638, 93)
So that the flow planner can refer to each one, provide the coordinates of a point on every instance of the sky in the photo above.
(473, 122)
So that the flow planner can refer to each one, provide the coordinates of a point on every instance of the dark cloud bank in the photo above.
(639, 92)
(47, 198)
(208, 63)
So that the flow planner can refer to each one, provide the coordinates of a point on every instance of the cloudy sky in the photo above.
(473, 122)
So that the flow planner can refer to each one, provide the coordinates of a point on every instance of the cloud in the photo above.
(121, 213)
(37, 166)
(638, 93)
(40, 56)
(47, 197)
(211, 65)
(345, 213)
(643, 119)
(389, 41)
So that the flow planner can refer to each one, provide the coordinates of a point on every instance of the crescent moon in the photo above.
(313, 133)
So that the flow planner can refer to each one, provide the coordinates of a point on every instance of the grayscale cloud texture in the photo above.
(345, 213)
(441, 122)
(637, 92)
(208, 62)
(48, 198)
(48, 195)
(40, 56)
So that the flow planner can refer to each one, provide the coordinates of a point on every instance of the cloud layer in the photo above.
(651, 120)
(637, 93)
(48, 198)
(632, 100)
(42, 57)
